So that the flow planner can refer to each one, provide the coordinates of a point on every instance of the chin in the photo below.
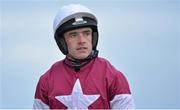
(82, 57)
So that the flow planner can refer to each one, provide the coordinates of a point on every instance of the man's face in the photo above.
(79, 42)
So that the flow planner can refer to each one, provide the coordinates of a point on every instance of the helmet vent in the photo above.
(79, 20)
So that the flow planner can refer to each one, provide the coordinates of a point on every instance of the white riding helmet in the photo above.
(72, 17)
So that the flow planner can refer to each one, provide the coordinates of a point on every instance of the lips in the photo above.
(81, 48)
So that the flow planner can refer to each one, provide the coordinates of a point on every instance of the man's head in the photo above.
(79, 42)
(76, 20)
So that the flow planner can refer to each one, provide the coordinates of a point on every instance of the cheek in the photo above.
(90, 43)
(70, 45)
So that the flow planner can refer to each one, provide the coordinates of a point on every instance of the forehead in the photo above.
(79, 30)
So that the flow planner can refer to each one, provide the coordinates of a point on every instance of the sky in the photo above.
(141, 38)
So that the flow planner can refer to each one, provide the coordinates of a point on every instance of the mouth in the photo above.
(81, 48)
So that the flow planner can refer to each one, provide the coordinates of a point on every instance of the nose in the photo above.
(81, 38)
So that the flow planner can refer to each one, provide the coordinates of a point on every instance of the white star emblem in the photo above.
(77, 100)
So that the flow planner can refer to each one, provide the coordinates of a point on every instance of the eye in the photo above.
(87, 33)
(72, 35)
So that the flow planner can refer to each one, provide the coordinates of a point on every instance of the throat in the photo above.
(77, 64)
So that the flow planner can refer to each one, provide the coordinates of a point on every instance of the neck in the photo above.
(77, 64)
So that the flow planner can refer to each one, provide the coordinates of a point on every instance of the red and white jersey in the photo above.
(98, 85)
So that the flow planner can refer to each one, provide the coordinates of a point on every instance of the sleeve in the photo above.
(41, 94)
(120, 93)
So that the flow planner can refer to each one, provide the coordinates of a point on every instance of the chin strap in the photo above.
(77, 64)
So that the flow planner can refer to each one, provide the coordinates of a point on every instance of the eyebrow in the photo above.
(71, 33)
(87, 30)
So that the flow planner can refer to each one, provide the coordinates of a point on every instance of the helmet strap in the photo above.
(77, 64)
